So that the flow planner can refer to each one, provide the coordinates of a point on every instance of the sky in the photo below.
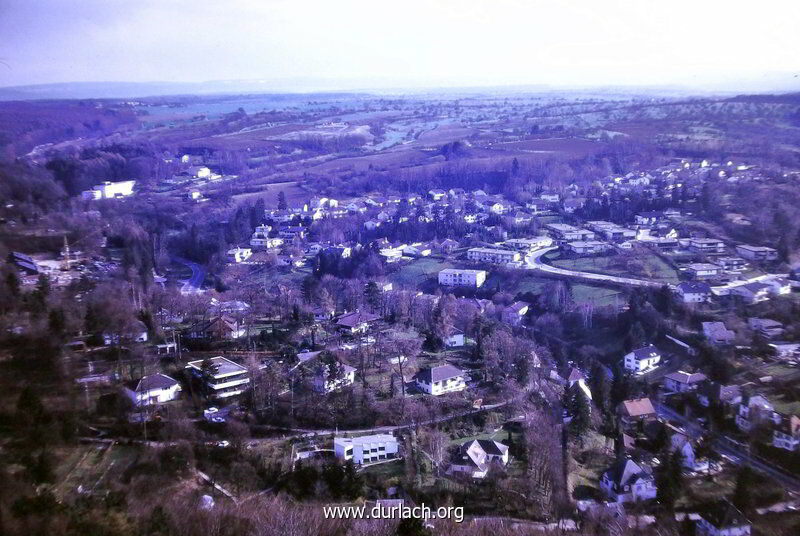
(351, 44)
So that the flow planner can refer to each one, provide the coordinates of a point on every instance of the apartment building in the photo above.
(452, 277)
(493, 256)
(365, 449)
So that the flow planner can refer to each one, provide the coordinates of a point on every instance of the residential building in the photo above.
(365, 449)
(751, 293)
(703, 270)
(515, 313)
(757, 253)
(642, 360)
(218, 328)
(627, 481)
(588, 247)
(153, 389)
(332, 375)
(707, 245)
(493, 256)
(440, 379)
(786, 434)
(576, 377)
(721, 518)
(567, 233)
(356, 322)
(454, 338)
(109, 190)
(694, 291)
(636, 410)
(474, 458)
(222, 377)
(452, 277)
(766, 327)
(682, 443)
(717, 333)
(754, 411)
(715, 393)
(237, 254)
(682, 382)
(731, 264)
(136, 332)
(529, 244)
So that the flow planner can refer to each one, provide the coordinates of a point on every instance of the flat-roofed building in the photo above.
(453, 277)
(757, 253)
(493, 256)
(223, 378)
(365, 449)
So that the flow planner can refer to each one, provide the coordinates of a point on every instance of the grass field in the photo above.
(418, 271)
(641, 264)
(91, 468)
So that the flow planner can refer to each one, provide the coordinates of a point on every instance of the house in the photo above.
(356, 322)
(448, 245)
(703, 270)
(475, 457)
(636, 410)
(751, 293)
(331, 375)
(493, 256)
(716, 393)
(757, 253)
(454, 338)
(766, 327)
(440, 379)
(717, 333)
(23, 262)
(576, 377)
(642, 360)
(731, 264)
(529, 244)
(588, 247)
(694, 291)
(706, 245)
(237, 254)
(437, 195)
(786, 434)
(515, 313)
(785, 350)
(365, 449)
(567, 233)
(627, 481)
(218, 328)
(222, 377)
(136, 332)
(754, 411)
(153, 389)
(109, 190)
(721, 518)
(648, 218)
(452, 277)
(682, 382)
(680, 442)
(778, 286)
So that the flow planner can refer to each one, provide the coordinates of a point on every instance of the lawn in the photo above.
(92, 467)
(651, 266)
(418, 272)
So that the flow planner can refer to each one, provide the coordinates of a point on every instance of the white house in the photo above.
(515, 313)
(707, 245)
(237, 254)
(722, 519)
(224, 379)
(786, 434)
(587, 247)
(452, 277)
(703, 270)
(475, 457)
(137, 332)
(626, 481)
(154, 389)
(642, 360)
(526, 244)
(753, 411)
(332, 376)
(577, 377)
(454, 338)
(365, 449)
(694, 291)
(440, 379)
(109, 190)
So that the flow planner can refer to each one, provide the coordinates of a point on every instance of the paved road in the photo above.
(533, 261)
(734, 450)
(194, 284)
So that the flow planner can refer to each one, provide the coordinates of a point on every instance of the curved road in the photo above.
(194, 284)
(533, 261)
